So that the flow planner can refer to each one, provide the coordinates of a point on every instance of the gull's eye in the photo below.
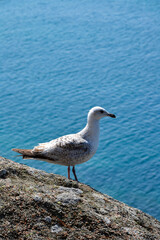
(101, 111)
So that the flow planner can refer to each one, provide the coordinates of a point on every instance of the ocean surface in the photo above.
(60, 58)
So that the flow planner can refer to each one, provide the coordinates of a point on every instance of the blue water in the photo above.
(60, 58)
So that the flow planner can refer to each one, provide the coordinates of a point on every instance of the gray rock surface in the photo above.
(38, 205)
(48, 219)
(56, 229)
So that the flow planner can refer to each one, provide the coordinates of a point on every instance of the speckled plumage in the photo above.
(68, 150)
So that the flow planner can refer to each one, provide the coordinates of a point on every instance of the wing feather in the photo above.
(64, 149)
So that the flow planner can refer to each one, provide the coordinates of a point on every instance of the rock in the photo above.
(56, 229)
(103, 211)
(68, 198)
(37, 198)
(3, 173)
(70, 190)
(48, 219)
(106, 219)
(99, 198)
(35, 205)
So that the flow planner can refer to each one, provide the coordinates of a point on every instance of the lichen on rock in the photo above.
(38, 205)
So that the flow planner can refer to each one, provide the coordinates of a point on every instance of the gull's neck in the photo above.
(91, 131)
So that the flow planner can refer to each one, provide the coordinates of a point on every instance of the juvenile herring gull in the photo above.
(71, 149)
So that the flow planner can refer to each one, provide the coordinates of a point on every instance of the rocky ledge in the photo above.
(36, 205)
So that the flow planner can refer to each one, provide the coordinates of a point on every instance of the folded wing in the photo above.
(64, 150)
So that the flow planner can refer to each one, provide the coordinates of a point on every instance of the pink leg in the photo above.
(68, 172)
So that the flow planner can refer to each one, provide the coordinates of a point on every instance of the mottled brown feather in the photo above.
(26, 152)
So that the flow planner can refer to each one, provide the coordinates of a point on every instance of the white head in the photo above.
(98, 113)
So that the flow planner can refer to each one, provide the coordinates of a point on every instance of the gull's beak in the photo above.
(110, 115)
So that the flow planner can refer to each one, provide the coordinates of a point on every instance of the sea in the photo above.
(60, 58)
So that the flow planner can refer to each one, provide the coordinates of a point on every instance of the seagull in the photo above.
(72, 149)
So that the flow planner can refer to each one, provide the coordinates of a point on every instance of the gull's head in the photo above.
(98, 113)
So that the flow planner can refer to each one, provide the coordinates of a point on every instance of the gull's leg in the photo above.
(68, 172)
(74, 172)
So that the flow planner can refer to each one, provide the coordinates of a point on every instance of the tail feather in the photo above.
(24, 152)
(30, 154)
